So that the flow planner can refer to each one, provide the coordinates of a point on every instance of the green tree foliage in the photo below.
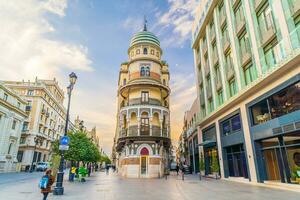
(215, 164)
(81, 148)
(105, 158)
(202, 164)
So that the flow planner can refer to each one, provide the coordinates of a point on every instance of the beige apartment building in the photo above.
(12, 116)
(247, 63)
(45, 122)
(142, 139)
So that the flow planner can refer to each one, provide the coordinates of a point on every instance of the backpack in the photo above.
(44, 182)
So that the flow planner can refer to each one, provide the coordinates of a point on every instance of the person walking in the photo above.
(73, 172)
(48, 178)
(177, 168)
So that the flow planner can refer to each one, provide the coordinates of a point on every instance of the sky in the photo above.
(52, 38)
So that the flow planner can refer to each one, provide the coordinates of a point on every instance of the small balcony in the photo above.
(204, 48)
(240, 25)
(138, 101)
(267, 36)
(200, 78)
(202, 100)
(212, 35)
(222, 17)
(218, 82)
(206, 69)
(235, 3)
(246, 58)
(258, 4)
(215, 58)
(208, 92)
(226, 44)
(229, 73)
(295, 8)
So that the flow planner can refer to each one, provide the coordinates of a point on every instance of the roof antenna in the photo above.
(145, 23)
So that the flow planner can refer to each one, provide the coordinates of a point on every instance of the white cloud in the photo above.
(133, 24)
(25, 46)
(179, 17)
(182, 96)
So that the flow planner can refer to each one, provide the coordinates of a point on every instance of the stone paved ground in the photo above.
(111, 187)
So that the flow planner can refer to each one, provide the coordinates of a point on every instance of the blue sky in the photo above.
(91, 38)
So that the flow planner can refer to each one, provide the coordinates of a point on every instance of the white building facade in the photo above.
(12, 116)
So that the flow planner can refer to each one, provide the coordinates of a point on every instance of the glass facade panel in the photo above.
(278, 104)
(237, 166)
(231, 125)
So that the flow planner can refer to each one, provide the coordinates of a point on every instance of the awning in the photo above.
(208, 143)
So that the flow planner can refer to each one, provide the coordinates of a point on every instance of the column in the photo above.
(248, 144)
(151, 119)
(218, 135)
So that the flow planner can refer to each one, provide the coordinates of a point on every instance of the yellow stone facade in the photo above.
(142, 137)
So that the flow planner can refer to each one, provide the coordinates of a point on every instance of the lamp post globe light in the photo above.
(59, 189)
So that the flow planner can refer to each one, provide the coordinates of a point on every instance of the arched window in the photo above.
(142, 72)
(147, 71)
(145, 51)
(144, 151)
(124, 82)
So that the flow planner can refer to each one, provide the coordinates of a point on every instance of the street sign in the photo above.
(64, 140)
(63, 147)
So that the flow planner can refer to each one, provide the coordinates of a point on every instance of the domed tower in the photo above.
(142, 139)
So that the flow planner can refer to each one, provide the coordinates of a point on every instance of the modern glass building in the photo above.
(247, 63)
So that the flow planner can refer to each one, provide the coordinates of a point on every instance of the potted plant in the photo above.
(202, 165)
(215, 166)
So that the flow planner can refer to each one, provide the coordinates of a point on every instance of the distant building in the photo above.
(142, 140)
(45, 122)
(247, 55)
(189, 141)
(12, 116)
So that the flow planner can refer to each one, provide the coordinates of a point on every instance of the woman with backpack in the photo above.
(46, 183)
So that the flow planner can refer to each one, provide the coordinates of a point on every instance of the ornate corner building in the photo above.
(142, 139)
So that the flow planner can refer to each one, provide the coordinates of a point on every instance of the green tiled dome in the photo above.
(144, 37)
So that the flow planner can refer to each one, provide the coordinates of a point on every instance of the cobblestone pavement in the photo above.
(112, 187)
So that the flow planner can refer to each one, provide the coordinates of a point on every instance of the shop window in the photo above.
(276, 105)
(231, 125)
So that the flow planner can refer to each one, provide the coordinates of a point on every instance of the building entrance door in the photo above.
(144, 165)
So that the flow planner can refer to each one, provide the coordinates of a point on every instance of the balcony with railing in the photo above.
(218, 81)
(206, 69)
(294, 8)
(258, 4)
(208, 92)
(222, 16)
(133, 131)
(226, 42)
(215, 57)
(267, 35)
(229, 71)
(245, 53)
(240, 24)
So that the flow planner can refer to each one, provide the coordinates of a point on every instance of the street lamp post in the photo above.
(59, 189)
(36, 140)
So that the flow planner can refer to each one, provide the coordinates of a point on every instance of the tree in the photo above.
(81, 148)
(201, 164)
(215, 164)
